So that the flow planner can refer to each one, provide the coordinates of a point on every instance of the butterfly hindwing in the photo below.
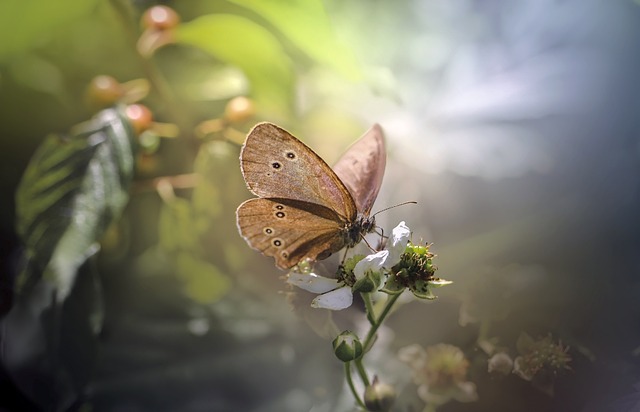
(361, 168)
(290, 230)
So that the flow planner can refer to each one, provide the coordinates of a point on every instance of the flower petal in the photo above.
(311, 282)
(372, 262)
(337, 299)
(397, 244)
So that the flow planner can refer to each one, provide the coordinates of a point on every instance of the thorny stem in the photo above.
(347, 374)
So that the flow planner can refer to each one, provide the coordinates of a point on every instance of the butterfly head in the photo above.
(360, 227)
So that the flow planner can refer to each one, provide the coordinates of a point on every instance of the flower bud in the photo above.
(379, 397)
(369, 283)
(347, 346)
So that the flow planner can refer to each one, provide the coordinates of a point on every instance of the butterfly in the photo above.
(305, 209)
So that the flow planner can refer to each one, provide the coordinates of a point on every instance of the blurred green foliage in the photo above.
(229, 48)
(25, 23)
(176, 224)
(252, 48)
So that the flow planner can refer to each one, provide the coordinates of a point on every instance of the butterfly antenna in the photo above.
(411, 202)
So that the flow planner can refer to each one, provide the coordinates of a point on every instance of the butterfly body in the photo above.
(304, 208)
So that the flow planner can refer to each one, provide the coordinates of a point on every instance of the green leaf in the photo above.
(72, 189)
(248, 46)
(25, 23)
(306, 24)
(38, 74)
(202, 81)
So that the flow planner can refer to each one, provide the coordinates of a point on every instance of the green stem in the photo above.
(374, 328)
(347, 374)
(362, 372)
(375, 324)
(368, 305)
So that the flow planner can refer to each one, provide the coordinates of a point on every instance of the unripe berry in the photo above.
(160, 18)
(239, 109)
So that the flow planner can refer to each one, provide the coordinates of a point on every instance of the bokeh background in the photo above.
(514, 125)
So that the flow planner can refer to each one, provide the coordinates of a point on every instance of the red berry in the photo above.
(140, 117)
(104, 91)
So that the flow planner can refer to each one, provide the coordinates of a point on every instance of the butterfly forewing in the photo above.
(361, 168)
(277, 165)
(289, 231)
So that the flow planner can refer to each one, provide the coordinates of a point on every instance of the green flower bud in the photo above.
(379, 397)
(369, 283)
(347, 346)
(417, 249)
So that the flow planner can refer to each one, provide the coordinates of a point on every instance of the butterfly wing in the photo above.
(277, 165)
(361, 168)
(290, 230)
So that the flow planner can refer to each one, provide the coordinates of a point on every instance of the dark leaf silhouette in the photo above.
(72, 190)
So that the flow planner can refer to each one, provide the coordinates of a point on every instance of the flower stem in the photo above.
(347, 374)
(374, 327)
(362, 372)
(368, 304)
(375, 324)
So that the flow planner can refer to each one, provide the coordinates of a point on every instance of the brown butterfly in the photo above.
(304, 208)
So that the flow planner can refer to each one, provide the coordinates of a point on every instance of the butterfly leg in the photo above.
(370, 247)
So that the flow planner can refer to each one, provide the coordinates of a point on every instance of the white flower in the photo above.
(398, 243)
(334, 297)
(388, 257)
(337, 299)
(373, 263)
(311, 282)
(331, 296)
